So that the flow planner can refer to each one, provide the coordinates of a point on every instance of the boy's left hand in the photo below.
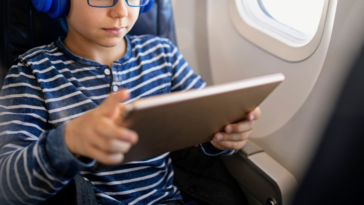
(236, 135)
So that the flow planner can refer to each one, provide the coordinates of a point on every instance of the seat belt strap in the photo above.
(84, 191)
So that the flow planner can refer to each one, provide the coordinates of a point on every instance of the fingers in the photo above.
(254, 115)
(218, 146)
(232, 137)
(109, 129)
(240, 127)
(229, 145)
(232, 141)
(246, 125)
(96, 134)
(111, 138)
(110, 145)
(112, 102)
(104, 157)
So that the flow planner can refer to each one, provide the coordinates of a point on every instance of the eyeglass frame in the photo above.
(115, 2)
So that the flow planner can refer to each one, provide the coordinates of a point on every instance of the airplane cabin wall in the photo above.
(191, 28)
(293, 117)
(294, 143)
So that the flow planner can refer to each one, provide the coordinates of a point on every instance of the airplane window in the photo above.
(289, 29)
(301, 15)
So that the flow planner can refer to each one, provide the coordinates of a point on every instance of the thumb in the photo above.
(111, 104)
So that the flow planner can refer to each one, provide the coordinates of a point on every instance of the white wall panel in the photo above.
(293, 117)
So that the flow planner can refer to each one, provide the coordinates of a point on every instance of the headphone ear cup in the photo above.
(146, 8)
(54, 11)
(60, 8)
(42, 5)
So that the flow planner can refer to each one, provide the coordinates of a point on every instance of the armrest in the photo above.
(262, 179)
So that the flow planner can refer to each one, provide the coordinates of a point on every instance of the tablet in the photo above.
(178, 120)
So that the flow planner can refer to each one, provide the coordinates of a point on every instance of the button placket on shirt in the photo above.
(107, 71)
(108, 75)
(114, 87)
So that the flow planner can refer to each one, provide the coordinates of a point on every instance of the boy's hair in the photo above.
(60, 8)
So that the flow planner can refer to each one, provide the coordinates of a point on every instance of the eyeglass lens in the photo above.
(109, 3)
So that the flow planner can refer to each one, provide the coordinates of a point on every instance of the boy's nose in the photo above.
(120, 9)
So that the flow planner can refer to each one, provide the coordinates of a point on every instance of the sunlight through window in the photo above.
(301, 15)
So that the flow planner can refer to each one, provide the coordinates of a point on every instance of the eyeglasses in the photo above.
(111, 3)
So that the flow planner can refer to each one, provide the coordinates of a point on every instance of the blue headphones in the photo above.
(60, 8)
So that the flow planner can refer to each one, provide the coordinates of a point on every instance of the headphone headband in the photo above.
(60, 8)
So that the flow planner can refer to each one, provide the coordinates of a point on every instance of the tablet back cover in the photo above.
(176, 121)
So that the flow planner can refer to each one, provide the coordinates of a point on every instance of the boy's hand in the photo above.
(236, 135)
(98, 135)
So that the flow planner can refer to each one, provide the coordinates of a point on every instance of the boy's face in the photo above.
(103, 26)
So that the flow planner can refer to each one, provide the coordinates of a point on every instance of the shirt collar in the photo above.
(85, 61)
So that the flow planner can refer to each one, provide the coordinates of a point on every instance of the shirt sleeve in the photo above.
(34, 160)
(183, 78)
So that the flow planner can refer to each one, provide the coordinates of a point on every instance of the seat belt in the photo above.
(85, 194)
(77, 192)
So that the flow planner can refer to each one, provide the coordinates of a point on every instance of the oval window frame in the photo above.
(269, 34)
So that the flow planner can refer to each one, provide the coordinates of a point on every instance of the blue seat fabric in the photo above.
(23, 28)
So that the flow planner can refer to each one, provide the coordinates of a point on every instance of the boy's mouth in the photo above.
(114, 30)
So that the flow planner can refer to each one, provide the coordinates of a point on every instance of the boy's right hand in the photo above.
(98, 135)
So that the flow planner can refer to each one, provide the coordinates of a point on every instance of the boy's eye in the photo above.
(111, 2)
(101, 2)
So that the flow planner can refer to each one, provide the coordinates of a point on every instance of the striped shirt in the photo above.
(49, 86)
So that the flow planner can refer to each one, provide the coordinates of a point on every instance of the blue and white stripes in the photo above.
(48, 86)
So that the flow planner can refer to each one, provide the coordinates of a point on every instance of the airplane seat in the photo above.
(23, 28)
(262, 179)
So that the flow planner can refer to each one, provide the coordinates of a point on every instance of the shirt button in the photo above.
(115, 88)
(107, 71)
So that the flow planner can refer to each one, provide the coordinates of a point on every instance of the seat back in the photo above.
(158, 21)
(23, 28)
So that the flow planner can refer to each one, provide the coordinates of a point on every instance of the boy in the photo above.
(57, 116)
